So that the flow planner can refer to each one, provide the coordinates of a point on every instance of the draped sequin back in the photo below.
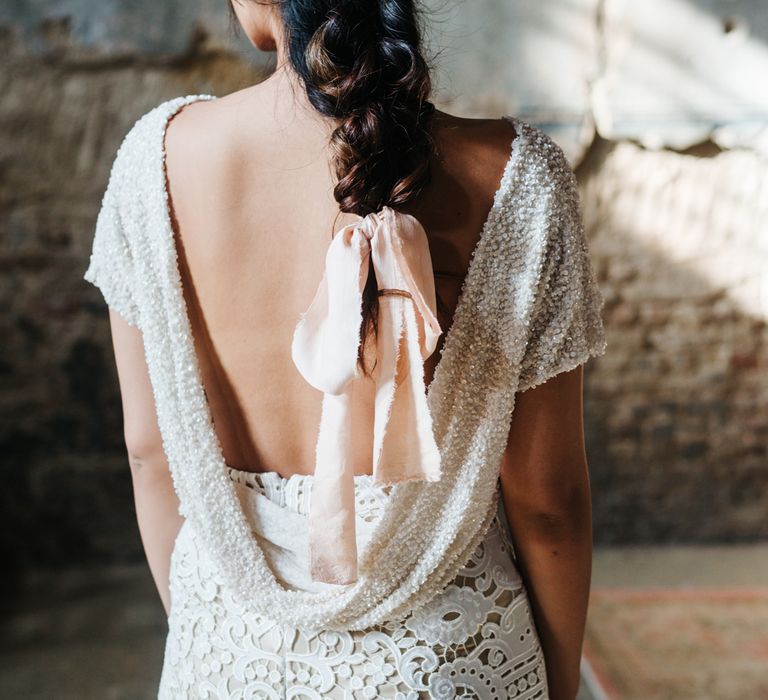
(439, 609)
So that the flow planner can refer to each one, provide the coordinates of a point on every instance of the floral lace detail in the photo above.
(475, 640)
(294, 492)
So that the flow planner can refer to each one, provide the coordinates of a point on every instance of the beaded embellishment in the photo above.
(529, 308)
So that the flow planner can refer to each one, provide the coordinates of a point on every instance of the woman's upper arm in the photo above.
(544, 466)
(140, 427)
(113, 268)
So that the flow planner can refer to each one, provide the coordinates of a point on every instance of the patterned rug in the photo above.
(677, 644)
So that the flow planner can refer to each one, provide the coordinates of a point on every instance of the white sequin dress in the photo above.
(440, 610)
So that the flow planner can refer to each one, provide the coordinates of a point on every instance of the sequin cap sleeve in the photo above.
(111, 265)
(566, 326)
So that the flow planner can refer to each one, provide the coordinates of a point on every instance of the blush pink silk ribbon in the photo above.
(382, 424)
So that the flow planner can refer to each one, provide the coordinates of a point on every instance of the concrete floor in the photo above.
(679, 623)
(681, 566)
(79, 636)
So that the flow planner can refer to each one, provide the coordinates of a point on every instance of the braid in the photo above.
(362, 65)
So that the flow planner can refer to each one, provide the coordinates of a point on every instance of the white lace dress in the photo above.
(439, 610)
(477, 639)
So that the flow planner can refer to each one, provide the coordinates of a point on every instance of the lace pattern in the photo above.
(474, 640)
(293, 492)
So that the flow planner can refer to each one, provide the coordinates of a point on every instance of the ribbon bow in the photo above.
(381, 423)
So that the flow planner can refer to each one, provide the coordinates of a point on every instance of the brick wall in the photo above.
(677, 408)
(676, 414)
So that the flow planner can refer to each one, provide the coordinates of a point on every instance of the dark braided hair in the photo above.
(361, 64)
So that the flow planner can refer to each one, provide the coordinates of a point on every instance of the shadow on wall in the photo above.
(65, 488)
(675, 411)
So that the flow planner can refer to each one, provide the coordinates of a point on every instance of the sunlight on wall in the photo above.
(709, 216)
(663, 72)
(676, 411)
(677, 71)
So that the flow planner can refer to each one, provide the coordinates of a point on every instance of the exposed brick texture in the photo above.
(676, 411)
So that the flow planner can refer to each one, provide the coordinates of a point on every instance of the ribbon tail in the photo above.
(325, 347)
(332, 537)
(411, 251)
(404, 442)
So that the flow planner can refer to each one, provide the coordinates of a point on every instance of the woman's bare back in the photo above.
(251, 187)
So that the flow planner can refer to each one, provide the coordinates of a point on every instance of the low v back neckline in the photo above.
(200, 414)
(189, 350)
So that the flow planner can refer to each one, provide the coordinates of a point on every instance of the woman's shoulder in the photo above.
(472, 139)
(151, 123)
(141, 149)
(483, 147)
(163, 111)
